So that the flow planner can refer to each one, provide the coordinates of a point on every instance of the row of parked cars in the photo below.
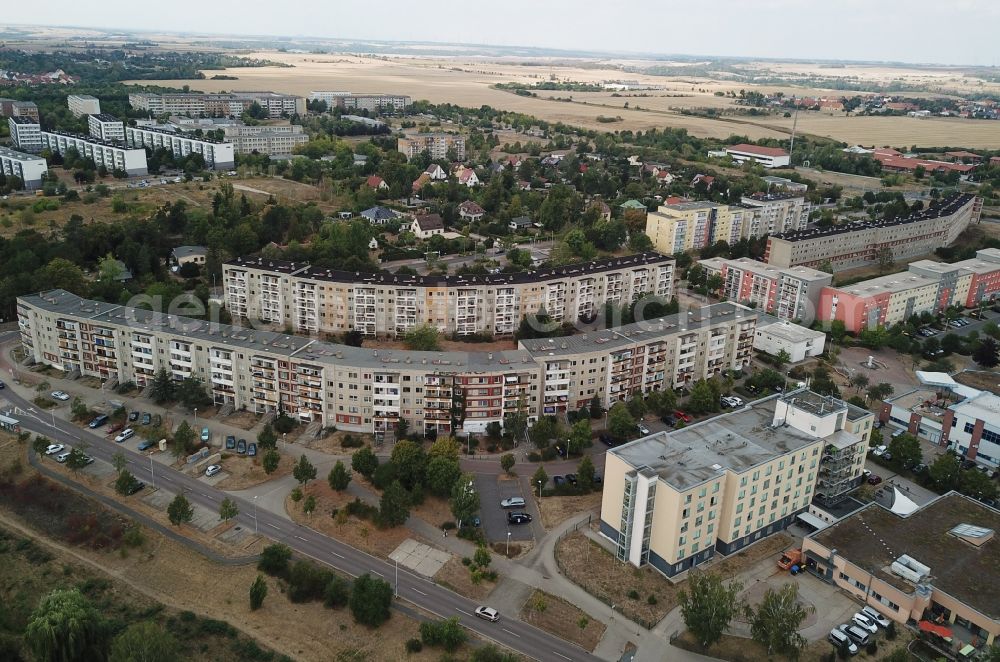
(61, 453)
(240, 446)
(864, 624)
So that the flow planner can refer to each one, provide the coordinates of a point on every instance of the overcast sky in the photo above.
(948, 32)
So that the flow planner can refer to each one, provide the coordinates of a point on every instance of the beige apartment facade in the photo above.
(372, 390)
(435, 144)
(312, 299)
(674, 499)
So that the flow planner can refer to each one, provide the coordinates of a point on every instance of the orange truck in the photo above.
(790, 558)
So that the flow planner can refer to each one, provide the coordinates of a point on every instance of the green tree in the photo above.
(370, 600)
(180, 510)
(579, 437)
(274, 559)
(125, 483)
(303, 471)
(507, 462)
(258, 591)
(585, 473)
(423, 338)
(539, 477)
(906, 451)
(703, 398)
(191, 393)
(309, 505)
(78, 457)
(464, 500)
(65, 627)
(144, 641)
(228, 510)
(267, 439)
(636, 406)
(339, 477)
(482, 557)
(976, 484)
(781, 359)
(184, 437)
(448, 634)
(270, 461)
(859, 381)
(364, 461)
(621, 425)
(985, 353)
(874, 338)
(441, 474)
(394, 506)
(595, 407)
(944, 471)
(162, 388)
(119, 461)
(708, 605)
(880, 391)
(776, 621)
(411, 463)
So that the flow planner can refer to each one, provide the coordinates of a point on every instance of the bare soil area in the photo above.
(245, 472)
(557, 509)
(242, 419)
(456, 576)
(981, 379)
(332, 444)
(555, 615)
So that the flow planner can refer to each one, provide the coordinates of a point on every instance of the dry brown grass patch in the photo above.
(457, 577)
(555, 615)
(557, 509)
(246, 472)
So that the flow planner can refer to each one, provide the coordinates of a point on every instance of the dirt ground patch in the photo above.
(434, 510)
(555, 615)
(246, 472)
(556, 509)
(456, 576)
(981, 379)
(733, 565)
(332, 444)
(241, 419)
(590, 566)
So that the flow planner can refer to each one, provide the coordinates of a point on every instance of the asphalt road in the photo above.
(509, 632)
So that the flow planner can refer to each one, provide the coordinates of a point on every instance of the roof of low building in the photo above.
(470, 207)
(786, 330)
(430, 222)
(756, 149)
(189, 251)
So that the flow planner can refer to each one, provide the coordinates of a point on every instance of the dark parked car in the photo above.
(134, 487)
(606, 439)
(147, 418)
(230, 442)
(241, 446)
(874, 479)
(518, 518)
(146, 445)
(669, 420)
(571, 479)
(133, 416)
(561, 450)
(97, 422)
(558, 480)
(2, 385)
(252, 450)
(598, 480)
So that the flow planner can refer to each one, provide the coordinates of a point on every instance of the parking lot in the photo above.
(494, 518)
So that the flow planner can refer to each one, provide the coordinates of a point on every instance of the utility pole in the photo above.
(791, 145)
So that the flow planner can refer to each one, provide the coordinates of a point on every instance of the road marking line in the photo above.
(420, 592)
(301, 538)
(334, 553)
(379, 574)
(562, 656)
(271, 525)
(463, 611)
(509, 632)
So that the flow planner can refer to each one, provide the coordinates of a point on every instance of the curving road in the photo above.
(509, 632)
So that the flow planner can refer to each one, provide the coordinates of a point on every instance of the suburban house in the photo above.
(520, 223)
(427, 225)
(602, 207)
(707, 180)
(470, 211)
(436, 172)
(420, 181)
(633, 206)
(377, 183)
(189, 254)
(379, 215)
(467, 176)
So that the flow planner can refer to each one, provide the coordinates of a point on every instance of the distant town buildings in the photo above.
(218, 105)
(106, 127)
(30, 168)
(83, 104)
(371, 102)
(217, 155)
(15, 108)
(438, 145)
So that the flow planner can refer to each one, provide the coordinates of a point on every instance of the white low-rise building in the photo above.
(25, 133)
(28, 167)
(83, 104)
(774, 335)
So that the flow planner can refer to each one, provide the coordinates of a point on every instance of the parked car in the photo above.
(146, 444)
(874, 479)
(682, 416)
(115, 427)
(127, 433)
(97, 422)
(488, 613)
(558, 480)
(518, 518)
(133, 416)
(669, 420)
(839, 639)
(598, 479)
(875, 615)
(230, 442)
(134, 487)
(879, 451)
(920, 468)
(88, 460)
(571, 479)
(642, 428)
(157, 420)
(2, 385)
(206, 435)
(146, 418)
(241, 446)
(252, 449)
(865, 622)
(606, 439)
(512, 502)
(735, 401)
(52, 449)
(60, 395)
(212, 470)
(62, 457)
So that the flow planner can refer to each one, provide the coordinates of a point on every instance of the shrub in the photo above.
(337, 592)
(361, 510)
(350, 441)
(414, 646)
(448, 526)
(633, 594)
(274, 559)
(307, 582)
(651, 599)
(466, 561)
(534, 457)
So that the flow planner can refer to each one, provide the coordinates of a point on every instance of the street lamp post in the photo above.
(196, 413)
(255, 529)
(152, 481)
(508, 543)
(539, 490)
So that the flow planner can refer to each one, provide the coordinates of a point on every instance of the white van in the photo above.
(839, 639)
(512, 502)
(857, 634)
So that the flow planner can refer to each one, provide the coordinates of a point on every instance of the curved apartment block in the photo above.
(371, 390)
(312, 299)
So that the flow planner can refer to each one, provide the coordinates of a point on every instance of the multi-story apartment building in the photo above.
(362, 101)
(674, 499)
(25, 133)
(776, 212)
(83, 104)
(314, 299)
(791, 293)
(15, 108)
(371, 390)
(28, 167)
(926, 287)
(436, 144)
(218, 105)
(859, 244)
(217, 155)
(106, 127)
(265, 139)
(114, 157)
(769, 157)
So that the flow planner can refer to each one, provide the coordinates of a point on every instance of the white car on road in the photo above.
(60, 395)
(52, 449)
(124, 434)
(488, 613)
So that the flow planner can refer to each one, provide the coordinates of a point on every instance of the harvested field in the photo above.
(555, 615)
(556, 509)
